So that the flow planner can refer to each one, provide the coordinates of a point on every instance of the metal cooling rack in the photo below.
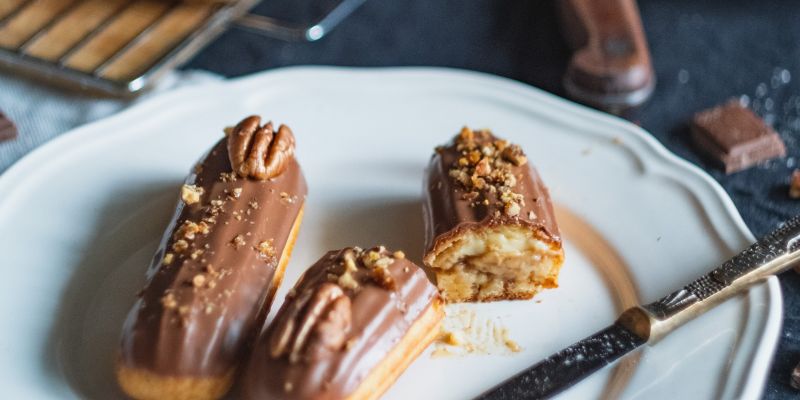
(122, 47)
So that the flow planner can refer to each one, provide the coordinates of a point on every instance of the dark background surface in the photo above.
(703, 53)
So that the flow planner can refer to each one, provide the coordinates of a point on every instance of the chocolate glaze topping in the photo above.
(346, 313)
(478, 180)
(210, 278)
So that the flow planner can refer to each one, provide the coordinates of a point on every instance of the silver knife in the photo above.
(649, 323)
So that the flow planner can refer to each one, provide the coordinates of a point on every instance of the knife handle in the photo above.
(771, 255)
(610, 67)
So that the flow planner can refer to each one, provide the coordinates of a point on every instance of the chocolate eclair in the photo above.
(348, 329)
(213, 277)
(491, 233)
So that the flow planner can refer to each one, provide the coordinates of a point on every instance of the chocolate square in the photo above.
(735, 137)
(7, 129)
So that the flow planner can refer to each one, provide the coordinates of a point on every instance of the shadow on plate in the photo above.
(84, 337)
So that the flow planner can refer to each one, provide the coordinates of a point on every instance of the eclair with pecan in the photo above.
(213, 277)
(348, 329)
(491, 232)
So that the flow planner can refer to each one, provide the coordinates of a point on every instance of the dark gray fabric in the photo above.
(704, 53)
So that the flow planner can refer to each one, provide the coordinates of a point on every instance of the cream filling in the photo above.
(501, 262)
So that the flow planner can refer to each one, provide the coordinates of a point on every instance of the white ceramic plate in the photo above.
(81, 216)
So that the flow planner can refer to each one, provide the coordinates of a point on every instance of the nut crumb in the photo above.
(512, 209)
(347, 281)
(399, 255)
(238, 241)
(266, 249)
(199, 280)
(168, 258)
(236, 192)
(168, 301)
(190, 194)
(227, 177)
(451, 338)
(180, 246)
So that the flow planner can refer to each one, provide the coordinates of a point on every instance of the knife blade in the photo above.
(648, 324)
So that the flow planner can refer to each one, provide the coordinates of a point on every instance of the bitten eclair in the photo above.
(348, 329)
(213, 277)
(491, 233)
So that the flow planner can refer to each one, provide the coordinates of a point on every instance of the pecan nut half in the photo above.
(313, 325)
(258, 152)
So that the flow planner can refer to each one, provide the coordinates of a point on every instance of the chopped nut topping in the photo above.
(168, 301)
(238, 241)
(180, 246)
(347, 281)
(188, 230)
(485, 165)
(531, 215)
(383, 277)
(373, 266)
(350, 262)
(266, 249)
(253, 204)
(512, 209)
(236, 192)
(198, 280)
(227, 177)
(399, 255)
(190, 194)
(514, 155)
(383, 262)
(168, 258)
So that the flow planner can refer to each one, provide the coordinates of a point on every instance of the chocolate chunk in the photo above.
(7, 129)
(735, 137)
